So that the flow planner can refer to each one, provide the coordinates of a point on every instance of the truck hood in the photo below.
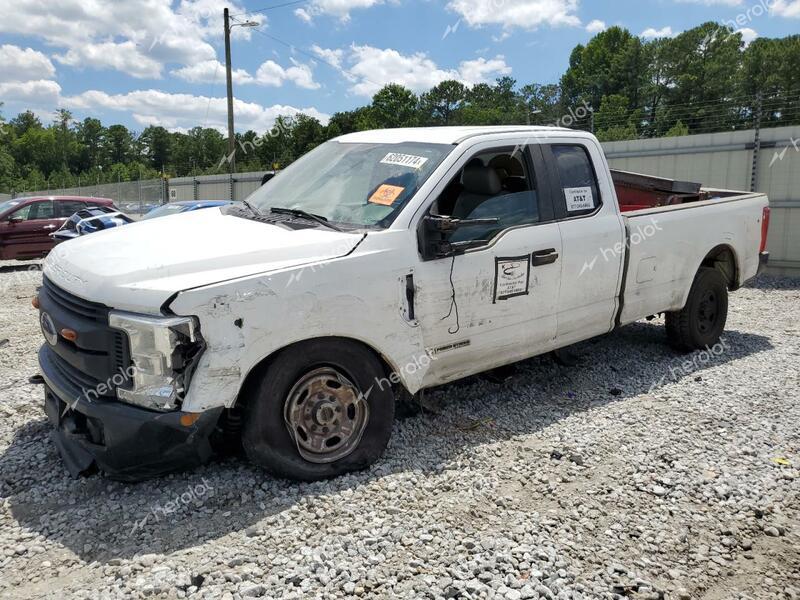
(138, 267)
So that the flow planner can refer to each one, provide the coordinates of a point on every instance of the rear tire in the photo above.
(701, 322)
(321, 409)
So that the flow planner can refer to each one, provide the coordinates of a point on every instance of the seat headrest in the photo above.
(511, 165)
(478, 179)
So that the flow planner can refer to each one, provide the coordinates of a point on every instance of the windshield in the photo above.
(163, 211)
(363, 185)
(8, 205)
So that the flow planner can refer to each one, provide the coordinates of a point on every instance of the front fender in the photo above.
(247, 320)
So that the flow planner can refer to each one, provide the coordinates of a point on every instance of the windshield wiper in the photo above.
(252, 208)
(296, 212)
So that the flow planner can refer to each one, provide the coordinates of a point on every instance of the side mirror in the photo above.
(14, 220)
(434, 230)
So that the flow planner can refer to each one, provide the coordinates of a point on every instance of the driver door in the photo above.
(495, 303)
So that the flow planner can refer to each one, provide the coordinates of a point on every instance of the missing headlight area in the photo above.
(164, 353)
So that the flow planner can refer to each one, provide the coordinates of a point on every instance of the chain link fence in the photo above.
(139, 197)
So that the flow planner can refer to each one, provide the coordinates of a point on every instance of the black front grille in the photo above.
(99, 357)
(74, 377)
(75, 305)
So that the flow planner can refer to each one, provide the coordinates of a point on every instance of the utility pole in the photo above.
(756, 141)
(229, 77)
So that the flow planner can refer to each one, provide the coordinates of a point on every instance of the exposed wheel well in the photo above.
(723, 259)
(262, 365)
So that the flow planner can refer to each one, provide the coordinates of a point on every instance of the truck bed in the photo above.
(636, 191)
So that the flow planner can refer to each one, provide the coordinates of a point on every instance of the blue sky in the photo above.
(141, 62)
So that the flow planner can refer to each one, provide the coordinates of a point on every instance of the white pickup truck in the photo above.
(379, 264)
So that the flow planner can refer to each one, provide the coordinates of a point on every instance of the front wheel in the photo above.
(321, 409)
(700, 323)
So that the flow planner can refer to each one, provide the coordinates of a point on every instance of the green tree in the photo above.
(118, 145)
(615, 121)
(612, 63)
(90, 135)
(394, 106)
(156, 145)
(442, 103)
(703, 67)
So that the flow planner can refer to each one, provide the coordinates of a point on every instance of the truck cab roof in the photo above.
(441, 135)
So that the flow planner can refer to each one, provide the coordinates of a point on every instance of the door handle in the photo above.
(544, 257)
(49, 227)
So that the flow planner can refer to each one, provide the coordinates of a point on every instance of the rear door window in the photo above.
(67, 208)
(580, 194)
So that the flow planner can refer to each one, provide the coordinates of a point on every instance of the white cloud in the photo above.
(748, 35)
(714, 2)
(17, 64)
(211, 71)
(596, 26)
(39, 93)
(137, 37)
(332, 57)
(526, 14)
(371, 68)
(269, 73)
(651, 33)
(177, 111)
(335, 8)
(125, 56)
(272, 74)
(481, 70)
(303, 15)
(786, 8)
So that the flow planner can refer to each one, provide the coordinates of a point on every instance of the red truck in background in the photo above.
(26, 223)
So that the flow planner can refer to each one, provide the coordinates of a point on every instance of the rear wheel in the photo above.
(321, 409)
(701, 322)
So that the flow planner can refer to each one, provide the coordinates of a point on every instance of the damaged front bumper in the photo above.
(126, 442)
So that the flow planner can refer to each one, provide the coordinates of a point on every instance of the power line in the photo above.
(273, 7)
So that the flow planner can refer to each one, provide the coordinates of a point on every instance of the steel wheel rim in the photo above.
(707, 312)
(326, 415)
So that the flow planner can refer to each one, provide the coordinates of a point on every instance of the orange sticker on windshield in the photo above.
(386, 194)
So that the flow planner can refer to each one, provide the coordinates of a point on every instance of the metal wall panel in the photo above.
(726, 160)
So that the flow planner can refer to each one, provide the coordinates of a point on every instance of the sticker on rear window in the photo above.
(579, 198)
(386, 194)
(404, 160)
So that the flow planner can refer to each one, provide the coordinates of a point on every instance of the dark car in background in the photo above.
(26, 223)
(174, 208)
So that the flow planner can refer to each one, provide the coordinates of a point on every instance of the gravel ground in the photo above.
(634, 474)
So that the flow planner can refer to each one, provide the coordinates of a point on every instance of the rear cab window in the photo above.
(575, 176)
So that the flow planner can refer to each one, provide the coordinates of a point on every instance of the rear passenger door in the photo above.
(66, 208)
(593, 240)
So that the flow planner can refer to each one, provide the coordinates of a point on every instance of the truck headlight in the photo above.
(164, 351)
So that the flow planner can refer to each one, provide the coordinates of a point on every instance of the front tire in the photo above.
(701, 322)
(321, 409)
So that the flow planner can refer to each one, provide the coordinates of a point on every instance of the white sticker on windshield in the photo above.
(580, 198)
(404, 160)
